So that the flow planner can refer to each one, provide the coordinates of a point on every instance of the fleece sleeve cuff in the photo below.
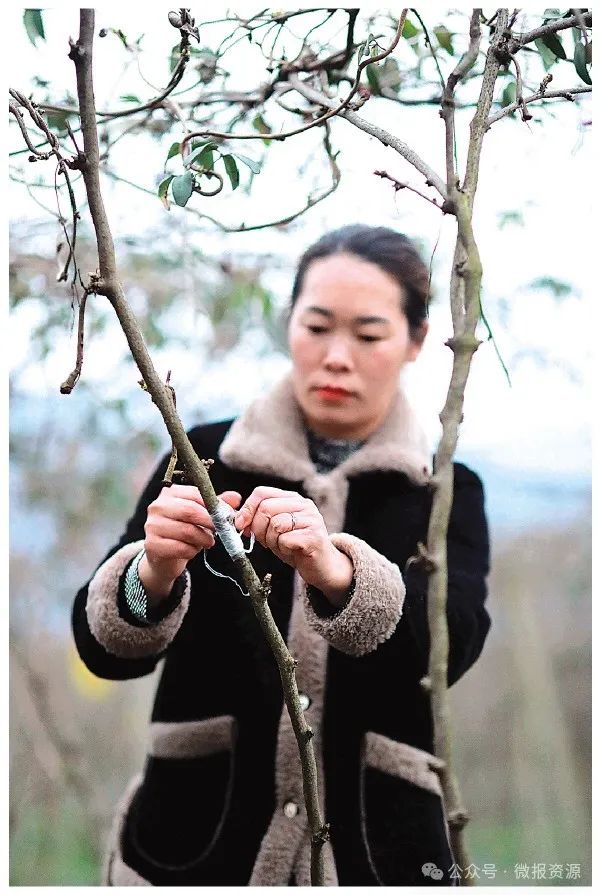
(111, 630)
(371, 614)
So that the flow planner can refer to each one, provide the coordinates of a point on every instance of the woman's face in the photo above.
(347, 331)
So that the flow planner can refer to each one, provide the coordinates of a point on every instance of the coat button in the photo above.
(304, 701)
(290, 809)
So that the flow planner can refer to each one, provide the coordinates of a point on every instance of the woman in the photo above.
(329, 471)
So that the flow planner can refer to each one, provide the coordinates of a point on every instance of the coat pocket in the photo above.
(179, 811)
(403, 822)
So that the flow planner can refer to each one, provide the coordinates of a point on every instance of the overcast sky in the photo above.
(541, 170)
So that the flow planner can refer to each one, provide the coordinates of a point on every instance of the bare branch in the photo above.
(465, 64)
(399, 185)
(62, 168)
(108, 284)
(69, 383)
(486, 95)
(34, 149)
(382, 135)
(541, 94)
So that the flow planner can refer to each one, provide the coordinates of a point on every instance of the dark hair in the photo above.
(393, 252)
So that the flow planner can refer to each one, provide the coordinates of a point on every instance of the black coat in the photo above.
(219, 801)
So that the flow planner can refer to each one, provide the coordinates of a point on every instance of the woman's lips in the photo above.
(333, 394)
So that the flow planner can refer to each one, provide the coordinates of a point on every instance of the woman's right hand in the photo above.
(178, 527)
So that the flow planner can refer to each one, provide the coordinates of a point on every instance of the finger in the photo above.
(259, 525)
(274, 506)
(283, 523)
(189, 492)
(263, 492)
(233, 498)
(167, 549)
(193, 535)
(182, 510)
(295, 545)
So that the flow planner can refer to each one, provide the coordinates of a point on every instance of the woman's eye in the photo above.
(317, 329)
(370, 338)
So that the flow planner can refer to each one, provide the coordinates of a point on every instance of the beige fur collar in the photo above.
(270, 437)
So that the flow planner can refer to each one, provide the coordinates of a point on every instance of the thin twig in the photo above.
(334, 110)
(525, 116)
(62, 168)
(541, 94)
(429, 44)
(69, 383)
(399, 185)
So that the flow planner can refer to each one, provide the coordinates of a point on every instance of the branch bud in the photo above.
(175, 19)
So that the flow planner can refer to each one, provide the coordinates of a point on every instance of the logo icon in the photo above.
(430, 869)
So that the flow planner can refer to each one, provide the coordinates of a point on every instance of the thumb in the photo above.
(233, 498)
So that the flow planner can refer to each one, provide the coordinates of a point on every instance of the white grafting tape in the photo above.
(230, 538)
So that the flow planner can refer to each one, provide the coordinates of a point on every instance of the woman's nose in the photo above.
(338, 355)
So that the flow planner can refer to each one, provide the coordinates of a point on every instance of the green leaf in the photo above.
(34, 25)
(199, 148)
(163, 186)
(579, 63)
(131, 98)
(366, 47)
(232, 171)
(372, 78)
(444, 38)
(547, 56)
(182, 188)
(259, 124)
(174, 150)
(409, 29)
(553, 43)
(206, 158)
(249, 162)
(509, 95)
(163, 189)
(588, 52)
(552, 14)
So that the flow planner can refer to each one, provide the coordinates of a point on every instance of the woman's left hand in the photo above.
(292, 527)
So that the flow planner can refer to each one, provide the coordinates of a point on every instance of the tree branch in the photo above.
(399, 185)
(465, 286)
(334, 109)
(315, 96)
(516, 43)
(69, 383)
(541, 94)
(107, 284)
(465, 64)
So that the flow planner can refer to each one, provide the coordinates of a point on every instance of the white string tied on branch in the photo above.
(223, 519)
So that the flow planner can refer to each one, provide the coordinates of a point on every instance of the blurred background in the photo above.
(210, 291)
